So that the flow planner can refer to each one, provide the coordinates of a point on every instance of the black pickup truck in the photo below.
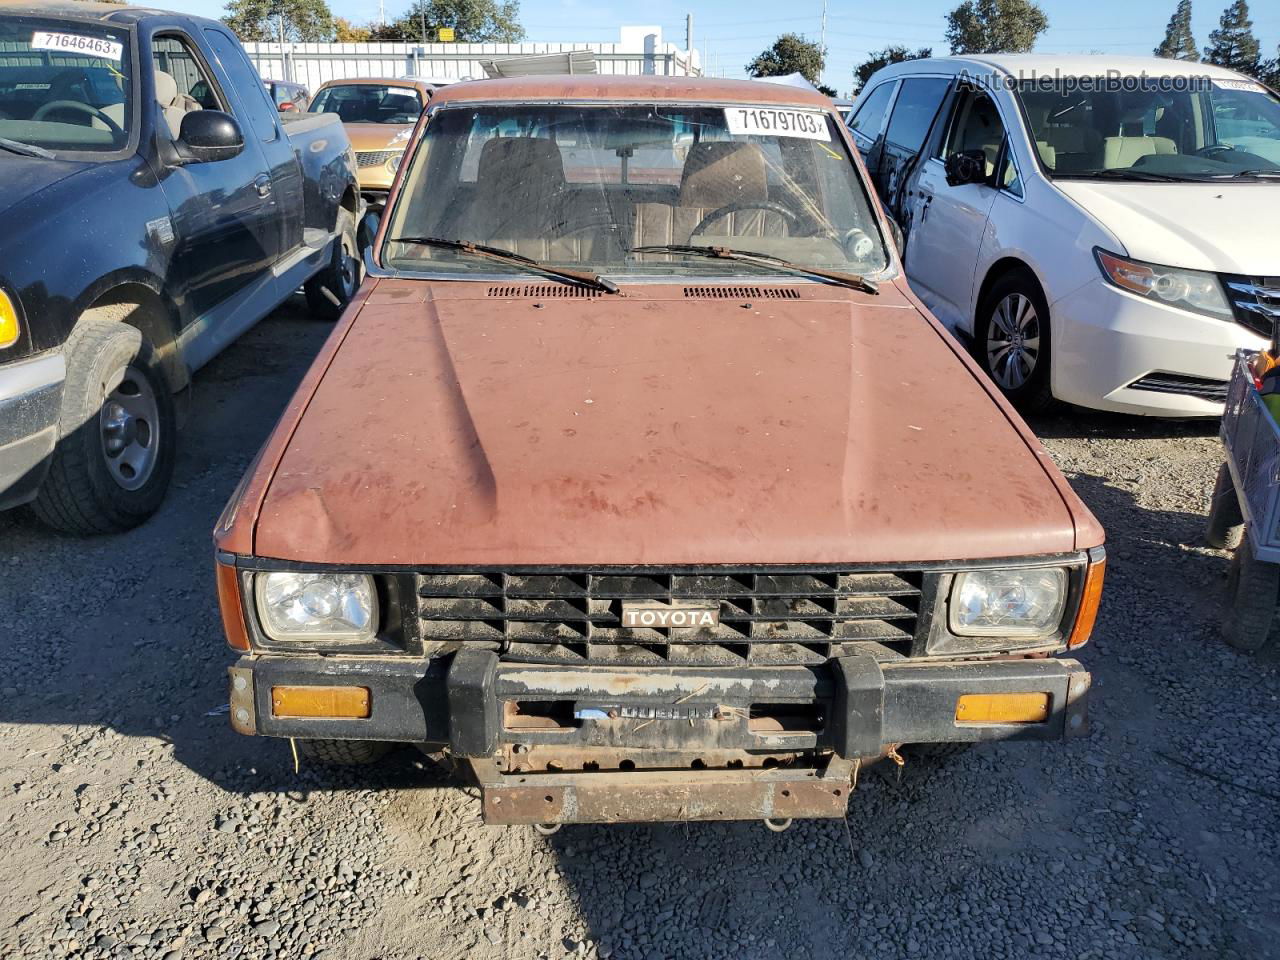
(155, 206)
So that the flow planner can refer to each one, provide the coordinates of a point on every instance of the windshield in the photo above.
(64, 84)
(369, 103)
(580, 186)
(1205, 129)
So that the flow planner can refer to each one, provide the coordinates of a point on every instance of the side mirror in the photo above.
(967, 166)
(209, 135)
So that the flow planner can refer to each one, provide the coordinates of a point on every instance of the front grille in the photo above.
(774, 616)
(372, 158)
(1202, 387)
(542, 291)
(741, 293)
(1256, 302)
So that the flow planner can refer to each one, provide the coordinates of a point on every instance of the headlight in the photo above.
(1189, 289)
(393, 161)
(317, 606)
(1007, 603)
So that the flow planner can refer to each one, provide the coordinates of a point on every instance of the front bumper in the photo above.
(851, 710)
(30, 406)
(1105, 339)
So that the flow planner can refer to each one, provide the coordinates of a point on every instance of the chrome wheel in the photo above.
(1013, 341)
(130, 426)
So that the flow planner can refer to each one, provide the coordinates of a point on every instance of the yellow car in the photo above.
(379, 115)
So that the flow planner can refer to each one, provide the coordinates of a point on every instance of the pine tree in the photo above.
(1178, 43)
(1233, 44)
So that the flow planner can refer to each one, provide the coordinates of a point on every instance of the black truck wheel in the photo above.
(117, 434)
(1225, 527)
(330, 290)
(343, 753)
(1253, 590)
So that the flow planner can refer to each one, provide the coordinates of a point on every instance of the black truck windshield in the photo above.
(589, 187)
(1199, 129)
(64, 84)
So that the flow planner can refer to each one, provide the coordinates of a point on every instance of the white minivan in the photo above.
(1105, 231)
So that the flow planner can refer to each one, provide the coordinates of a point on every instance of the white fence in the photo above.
(313, 63)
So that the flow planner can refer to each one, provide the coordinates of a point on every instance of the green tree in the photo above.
(306, 21)
(995, 26)
(792, 53)
(882, 58)
(1233, 44)
(473, 21)
(1178, 43)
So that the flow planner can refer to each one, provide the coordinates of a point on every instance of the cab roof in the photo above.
(417, 83)
(114, 13)
(637, 88)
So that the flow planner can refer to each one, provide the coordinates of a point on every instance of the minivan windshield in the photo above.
(64, 85)
(585, 186)
(1154, 129)
(369, 103)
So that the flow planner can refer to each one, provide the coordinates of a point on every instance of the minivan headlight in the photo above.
(317, 606)
(1007, 603)
(1192, 290)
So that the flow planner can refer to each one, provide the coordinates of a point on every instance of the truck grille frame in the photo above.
(768, 615)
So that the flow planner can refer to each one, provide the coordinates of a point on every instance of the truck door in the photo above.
(285, 186)
(947, 223)
(225, 237)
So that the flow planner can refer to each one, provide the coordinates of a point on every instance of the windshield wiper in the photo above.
(510, 256)
(1266, 174)
(764, 260)
(26, 149)
(1125, 173)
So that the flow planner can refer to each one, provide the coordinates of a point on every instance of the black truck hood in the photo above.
(24, 177)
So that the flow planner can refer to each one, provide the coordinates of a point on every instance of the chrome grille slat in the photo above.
(1255, 301)
(371, 158)
(775, 616)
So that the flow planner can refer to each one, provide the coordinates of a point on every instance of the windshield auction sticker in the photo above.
(77, 43)
(768, 122)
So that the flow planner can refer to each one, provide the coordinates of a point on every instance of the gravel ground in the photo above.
(136, 824)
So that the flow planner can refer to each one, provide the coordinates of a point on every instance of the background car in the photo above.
(1103, 228)
(379, 115)
(288, 96)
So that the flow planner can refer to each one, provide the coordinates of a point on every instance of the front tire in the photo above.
(1012, 339)
(330, 290)
(343, 753)
(117, 434)
(1225, 527)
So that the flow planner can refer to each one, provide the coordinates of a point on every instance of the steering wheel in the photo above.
(1213, 150)
(773, 206)
(93, 111)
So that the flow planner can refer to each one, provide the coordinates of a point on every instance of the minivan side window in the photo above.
(869, 120)
(258, 108)
(914, 111)
(975, 125)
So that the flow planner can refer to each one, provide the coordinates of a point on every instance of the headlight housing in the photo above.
(1192, 290)
(300, 606)
(9, 328)
(1016, 603)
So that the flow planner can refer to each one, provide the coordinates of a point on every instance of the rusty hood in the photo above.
(454, 427)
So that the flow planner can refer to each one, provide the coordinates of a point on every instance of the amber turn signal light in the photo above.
(8, 321)
(1090, 597)
(351, 703)
(230, 605)
(1002, 708)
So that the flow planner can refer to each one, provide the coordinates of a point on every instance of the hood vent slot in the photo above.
(741, 293)
(541, 291)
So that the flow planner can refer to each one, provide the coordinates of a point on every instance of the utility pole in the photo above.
(422, 11)
(822, 43)
(688, 40)
(382, 12)
(284, 57)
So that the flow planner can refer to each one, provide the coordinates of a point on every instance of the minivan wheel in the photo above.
(1012, 341)
(117, 434)
(330, 290)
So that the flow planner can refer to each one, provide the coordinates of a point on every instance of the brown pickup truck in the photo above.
(636, 477)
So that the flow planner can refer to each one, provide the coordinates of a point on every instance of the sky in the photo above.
(729, 33)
